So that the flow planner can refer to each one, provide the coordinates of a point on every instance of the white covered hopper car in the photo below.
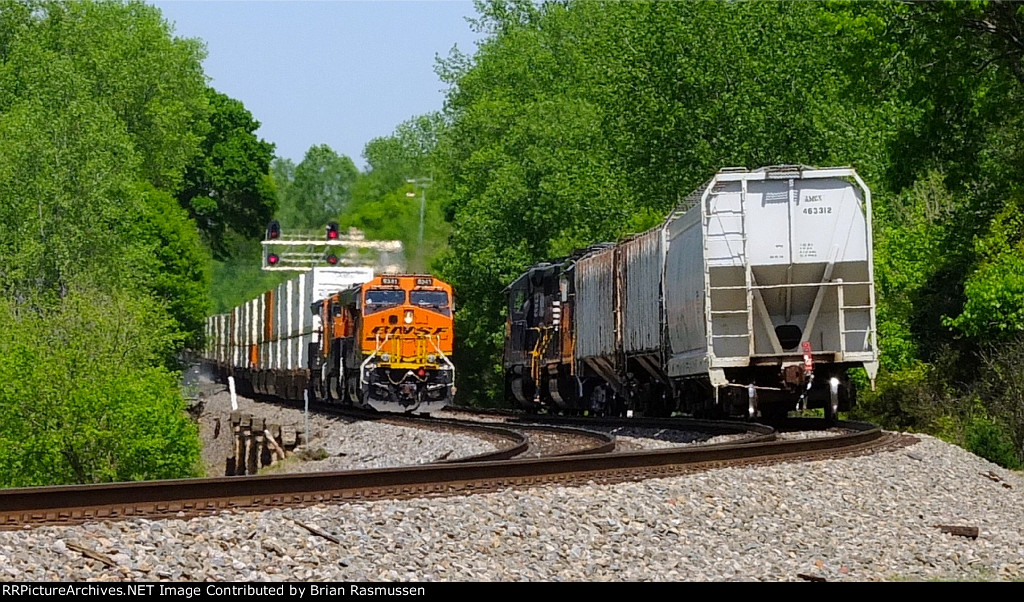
(755, 297)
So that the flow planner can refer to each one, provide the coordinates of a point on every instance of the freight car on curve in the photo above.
(277, 344)
(755, 297)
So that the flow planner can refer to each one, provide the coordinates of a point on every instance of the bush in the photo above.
(918, 399)
(1000, 387)
(86, 399)
(911, 399)
(987, 438)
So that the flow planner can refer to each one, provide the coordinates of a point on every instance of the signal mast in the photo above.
(303, 250)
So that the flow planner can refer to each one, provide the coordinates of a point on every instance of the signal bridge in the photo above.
(302, 250)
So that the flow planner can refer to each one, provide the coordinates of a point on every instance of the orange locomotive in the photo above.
(386, 344)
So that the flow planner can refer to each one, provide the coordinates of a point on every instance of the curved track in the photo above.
(523, 439)
(191, 497)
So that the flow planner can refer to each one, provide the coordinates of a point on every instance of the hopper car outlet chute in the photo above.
(386, 341)
(755, 297)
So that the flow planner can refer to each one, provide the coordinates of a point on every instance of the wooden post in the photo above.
(275, 437)
(246, 445)
(278, 453)
(231, 466)
(259, 444)
(251, 450)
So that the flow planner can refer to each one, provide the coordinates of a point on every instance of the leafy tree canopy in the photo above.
(320, 189)
(227, 189)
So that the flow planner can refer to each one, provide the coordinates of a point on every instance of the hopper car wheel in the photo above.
(773, 411)
(619, 406)
(659, 402)
(832, 403)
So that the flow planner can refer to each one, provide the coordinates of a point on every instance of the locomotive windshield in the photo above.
(380, 298)
(436, 300)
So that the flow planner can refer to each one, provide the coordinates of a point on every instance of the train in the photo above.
(754, 297)
(342, 335)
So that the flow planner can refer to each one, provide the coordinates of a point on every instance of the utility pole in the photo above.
(422, 184)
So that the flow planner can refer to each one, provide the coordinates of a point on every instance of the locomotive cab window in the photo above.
(378, 299)
(434, 300)
(518, 299)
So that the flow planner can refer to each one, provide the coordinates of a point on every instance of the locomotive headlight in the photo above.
(385, 357)
(431, 358)
(408, 316)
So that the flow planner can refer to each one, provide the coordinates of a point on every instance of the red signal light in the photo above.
(273, 230)
(273, 259)
(421, 372)
(332, 259)
(332, 231)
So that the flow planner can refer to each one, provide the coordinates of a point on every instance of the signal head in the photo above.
(332, 231)
(332, 259)
(273, 259)
(273, 230)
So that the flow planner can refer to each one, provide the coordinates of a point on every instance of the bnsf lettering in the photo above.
(418, 330)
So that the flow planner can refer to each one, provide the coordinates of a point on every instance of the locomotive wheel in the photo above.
(352, 391)
(316, 386)
(523, 390)
(333, 395)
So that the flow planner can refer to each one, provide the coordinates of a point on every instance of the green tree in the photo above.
(994, 290)
(384, 204)
(87, 405)
(282, 170)
(579, 122)
(405, 154)
(101, 108)
(180, 276)
(228, 190)
(124, 56)
(241, 277)
(320, 190)
(66, 194)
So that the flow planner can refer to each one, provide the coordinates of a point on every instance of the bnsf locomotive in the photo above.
(753, 298)
(387, 345)
(342, 335)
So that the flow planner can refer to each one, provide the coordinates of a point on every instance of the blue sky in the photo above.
(332, 72)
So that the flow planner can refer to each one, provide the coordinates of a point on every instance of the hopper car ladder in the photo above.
(706, 218)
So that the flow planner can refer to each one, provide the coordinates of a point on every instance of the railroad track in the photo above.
(512, 439)
(551, 436)
(194, 497)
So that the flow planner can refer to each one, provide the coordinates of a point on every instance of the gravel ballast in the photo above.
(345, 444)
(869, 518)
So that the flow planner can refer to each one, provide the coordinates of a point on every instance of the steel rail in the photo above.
(605, 443)
(757, 433)
(190, 497)
(520, 443)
